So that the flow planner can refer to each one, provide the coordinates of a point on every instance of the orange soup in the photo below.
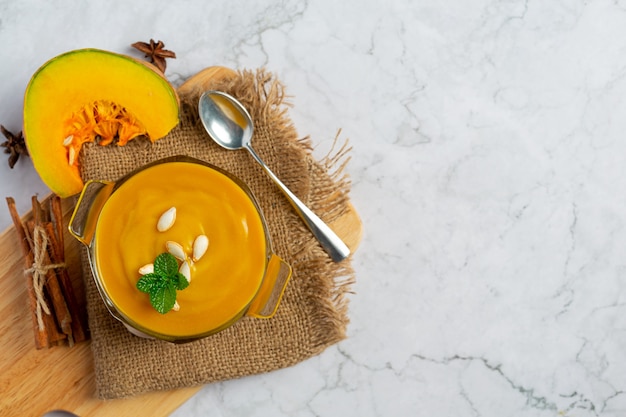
(223, 282)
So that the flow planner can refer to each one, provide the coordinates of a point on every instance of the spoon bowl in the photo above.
(226, 120)
(230, 125)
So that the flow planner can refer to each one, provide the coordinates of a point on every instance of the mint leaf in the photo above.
(165, 265)
(147, 282)
(163, 298)
(162, 284)
(181, 282)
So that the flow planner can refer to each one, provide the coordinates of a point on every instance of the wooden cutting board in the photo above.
(33, 381)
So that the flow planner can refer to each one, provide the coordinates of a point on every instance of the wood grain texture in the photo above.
(33, 381)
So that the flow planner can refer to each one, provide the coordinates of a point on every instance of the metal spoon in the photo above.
(229, 124)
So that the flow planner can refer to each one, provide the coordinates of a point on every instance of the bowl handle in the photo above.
(82, 224)
(266, 302)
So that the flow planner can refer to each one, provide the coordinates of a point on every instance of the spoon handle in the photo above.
(329, 240)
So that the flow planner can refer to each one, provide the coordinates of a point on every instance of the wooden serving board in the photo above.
(33, 381)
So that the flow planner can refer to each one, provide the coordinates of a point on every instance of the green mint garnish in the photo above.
(162, 284)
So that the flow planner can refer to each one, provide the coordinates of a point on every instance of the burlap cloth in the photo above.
(313, 312)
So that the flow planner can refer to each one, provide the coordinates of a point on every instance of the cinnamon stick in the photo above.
(79, 322)
(54, 295)
(79, 317)
(41, 334)
(57, 256)
(56, 216)
(59, 305)
(54, 334)
(51, 296)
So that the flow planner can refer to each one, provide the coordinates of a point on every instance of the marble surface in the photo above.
(488, 166)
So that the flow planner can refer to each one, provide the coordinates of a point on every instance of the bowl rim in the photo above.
(131, 324)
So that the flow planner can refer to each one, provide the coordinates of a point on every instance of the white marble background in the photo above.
(488, 166)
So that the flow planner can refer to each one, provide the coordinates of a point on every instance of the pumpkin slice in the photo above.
(90, 95)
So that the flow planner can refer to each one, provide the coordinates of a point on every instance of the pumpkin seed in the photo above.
(72, 156)
(185, 269)
(175, 249)
(200, 246)
(167, 220)
(146, 269)
(176, 306)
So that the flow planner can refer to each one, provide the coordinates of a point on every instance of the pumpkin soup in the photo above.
(208, 203)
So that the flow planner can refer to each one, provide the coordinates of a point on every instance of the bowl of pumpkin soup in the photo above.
(179, 250)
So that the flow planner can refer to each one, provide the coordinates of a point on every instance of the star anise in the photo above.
(14, 145)
(156, 53)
